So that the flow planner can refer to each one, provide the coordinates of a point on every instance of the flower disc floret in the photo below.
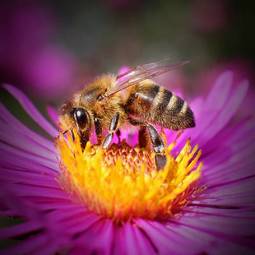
(123, 183)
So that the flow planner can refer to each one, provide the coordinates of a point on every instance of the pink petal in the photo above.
(31, 110)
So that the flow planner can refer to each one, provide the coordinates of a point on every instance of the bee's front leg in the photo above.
(72, 135)
(98, 130)
(84, 137)
(112, 128)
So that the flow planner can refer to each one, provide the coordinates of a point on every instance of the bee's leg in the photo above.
(84, 137)
(143, 138)
(113, 127)
(98, 130)
(72, 134)
(118, 133)
(142, 134)
(156, 140)
(135, 122)
(158, 147)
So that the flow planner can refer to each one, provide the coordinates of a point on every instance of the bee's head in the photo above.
(81, 118)
(72, 117)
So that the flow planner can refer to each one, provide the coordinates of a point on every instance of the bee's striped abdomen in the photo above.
(157, 105)
(177, 115)
(166, 102)
(175, 105)
(170, 110)
(161, 101)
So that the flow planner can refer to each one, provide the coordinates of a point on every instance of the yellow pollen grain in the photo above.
(123, 183)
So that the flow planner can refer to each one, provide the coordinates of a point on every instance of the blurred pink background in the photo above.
(51, 48)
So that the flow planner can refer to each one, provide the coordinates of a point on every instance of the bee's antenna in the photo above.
(72, 133)
(64, 132)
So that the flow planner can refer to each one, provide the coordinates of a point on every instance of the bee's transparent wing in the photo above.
(141, 73)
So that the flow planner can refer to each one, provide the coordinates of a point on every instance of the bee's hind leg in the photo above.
(112, 129)
(156, 140)
(158, 147)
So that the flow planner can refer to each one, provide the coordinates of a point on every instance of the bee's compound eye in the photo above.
(80, 117)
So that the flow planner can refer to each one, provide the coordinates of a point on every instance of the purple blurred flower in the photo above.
(28, 56)
(219, 221)
(241, 69)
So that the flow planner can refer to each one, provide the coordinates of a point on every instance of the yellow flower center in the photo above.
(123, 183)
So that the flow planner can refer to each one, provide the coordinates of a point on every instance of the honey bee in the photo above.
(111, 101)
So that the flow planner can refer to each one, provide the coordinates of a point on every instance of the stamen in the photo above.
(123, 182)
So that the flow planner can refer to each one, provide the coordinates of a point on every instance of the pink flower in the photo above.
(219, 220)
(28, 56)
